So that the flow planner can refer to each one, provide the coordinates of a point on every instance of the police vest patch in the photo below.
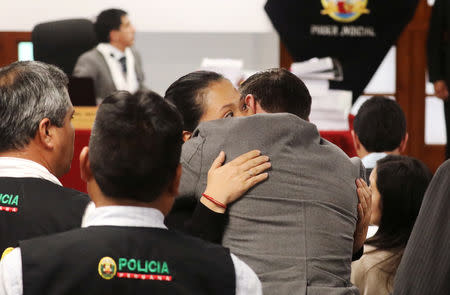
(130, 268)
(9, 202)
(107, 268)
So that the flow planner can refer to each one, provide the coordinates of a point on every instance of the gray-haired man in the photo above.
(36, 147)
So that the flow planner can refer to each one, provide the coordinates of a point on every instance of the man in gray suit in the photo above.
(113, 64)
(296, 230)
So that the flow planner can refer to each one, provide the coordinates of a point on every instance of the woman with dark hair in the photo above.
(203, 96)
(398, 185)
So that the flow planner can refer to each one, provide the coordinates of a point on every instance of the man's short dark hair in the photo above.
(380, 124)
(29, 92)
(135, 145)
(278, 91)
(107, 21)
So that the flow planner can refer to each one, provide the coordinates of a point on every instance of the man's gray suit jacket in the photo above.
(295, 230)
(92, 64)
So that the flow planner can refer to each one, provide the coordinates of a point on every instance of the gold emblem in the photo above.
(107, 268)
(344, 10)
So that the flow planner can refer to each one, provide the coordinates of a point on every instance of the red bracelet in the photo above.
(215, 201)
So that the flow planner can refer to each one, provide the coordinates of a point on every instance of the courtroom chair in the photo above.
(61, 42)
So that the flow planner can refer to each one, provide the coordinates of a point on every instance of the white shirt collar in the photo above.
(21, 168)
(125, 216)
(127, 82)
(370, 161)
(116, 53)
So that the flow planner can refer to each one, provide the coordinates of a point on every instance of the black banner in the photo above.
(358, 33)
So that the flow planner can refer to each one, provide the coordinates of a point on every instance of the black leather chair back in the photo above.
(62, 42)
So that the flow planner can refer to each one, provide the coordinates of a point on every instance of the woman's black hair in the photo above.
(402, 182)
(187, 95)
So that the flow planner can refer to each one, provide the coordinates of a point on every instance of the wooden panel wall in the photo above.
(8, 45)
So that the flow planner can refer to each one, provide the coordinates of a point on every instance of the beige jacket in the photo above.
(370, 279)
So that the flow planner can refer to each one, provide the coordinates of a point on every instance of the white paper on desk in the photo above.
(333, 99)
(317, 87)
(313, 65)
(328, 75)
(229, 68)
(329, 110)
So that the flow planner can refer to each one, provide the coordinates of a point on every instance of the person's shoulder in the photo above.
(93, 52)
(90, 56)
(277, 121)
(75, 195)
(367, 260)
(135, 52)
(286, 119)
(445, 168)
(372, 257)
(57, 192)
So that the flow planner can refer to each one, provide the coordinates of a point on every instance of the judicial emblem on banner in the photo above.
(357, 33)
(344, 10)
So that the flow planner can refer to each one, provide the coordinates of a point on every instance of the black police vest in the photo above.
(32, 207)
(125, 260)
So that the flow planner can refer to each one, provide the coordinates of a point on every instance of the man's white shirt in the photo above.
(370, 160)
(22, 168)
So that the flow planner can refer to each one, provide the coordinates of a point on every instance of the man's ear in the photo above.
(250, 102)
(45, 133)
(403, 143)
(173, 188)
(186, 135)
(112, 35)
(85, 166)
(356, 142)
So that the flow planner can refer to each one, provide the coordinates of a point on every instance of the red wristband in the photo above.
(215, 201)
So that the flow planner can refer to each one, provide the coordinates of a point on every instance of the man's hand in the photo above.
(364, 213)
(440, 89)
(229, 182)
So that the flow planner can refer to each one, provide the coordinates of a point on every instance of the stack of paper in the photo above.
(325, 68)
(329, 111)
(329, 108)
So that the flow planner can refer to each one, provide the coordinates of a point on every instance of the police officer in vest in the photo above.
(132, 172)
(36, 147)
